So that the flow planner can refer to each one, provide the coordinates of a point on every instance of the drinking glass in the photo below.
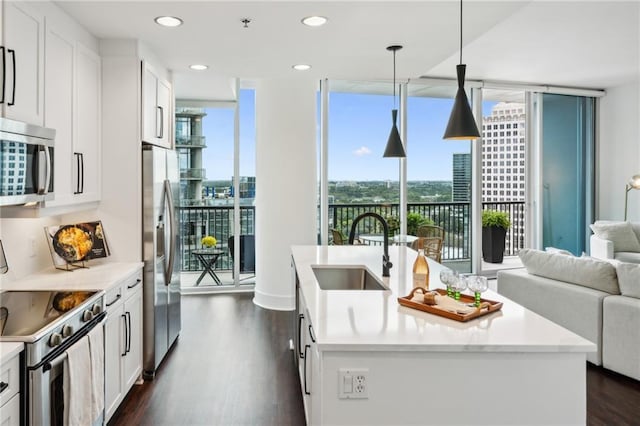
(446, 276)
(478, 284)
(459, 286)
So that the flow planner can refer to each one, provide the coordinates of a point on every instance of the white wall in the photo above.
(618, 155)
(285, 184)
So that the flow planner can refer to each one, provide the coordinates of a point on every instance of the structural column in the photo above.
(286, 184)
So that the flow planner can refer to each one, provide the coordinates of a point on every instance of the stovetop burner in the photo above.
(44, 319)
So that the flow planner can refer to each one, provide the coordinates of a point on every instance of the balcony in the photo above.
(191, 142)
(193, 174)
(198, 221)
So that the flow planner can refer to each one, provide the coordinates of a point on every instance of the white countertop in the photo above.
(95, 277)
(374, 320)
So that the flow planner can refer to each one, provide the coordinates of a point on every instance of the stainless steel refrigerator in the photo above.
(161, 295)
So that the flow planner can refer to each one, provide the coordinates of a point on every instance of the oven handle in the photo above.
(50, 360)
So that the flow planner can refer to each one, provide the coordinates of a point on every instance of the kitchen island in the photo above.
(365, 359)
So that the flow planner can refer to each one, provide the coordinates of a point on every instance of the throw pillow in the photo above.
(557, 251)
(629, 279)
(584, 271)
(621, 233)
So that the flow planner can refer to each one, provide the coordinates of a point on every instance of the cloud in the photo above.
(363, 150)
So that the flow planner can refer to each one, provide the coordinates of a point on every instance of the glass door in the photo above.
(565, 139)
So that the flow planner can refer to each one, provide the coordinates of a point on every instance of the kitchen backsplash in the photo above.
(26, 246)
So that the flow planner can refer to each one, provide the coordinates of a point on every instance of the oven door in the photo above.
(46, 383)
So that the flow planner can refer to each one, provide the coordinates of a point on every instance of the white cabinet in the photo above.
(123, 341)
(72, 107)
(157, 108)
(10, 391)
(22, 54)
(309, 363)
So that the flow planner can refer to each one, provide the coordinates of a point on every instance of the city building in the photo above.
(461, 188)
(190, 142)
(503, 155)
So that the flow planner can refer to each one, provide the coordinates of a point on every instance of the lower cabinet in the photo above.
(10, 391)
(123, 341)
(308, 364)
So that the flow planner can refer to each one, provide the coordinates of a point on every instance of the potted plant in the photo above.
(494, 230)
(414, 221)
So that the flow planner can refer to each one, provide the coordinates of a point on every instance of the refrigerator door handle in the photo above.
(172, 231)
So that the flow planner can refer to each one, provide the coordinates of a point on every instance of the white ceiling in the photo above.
(591, 44)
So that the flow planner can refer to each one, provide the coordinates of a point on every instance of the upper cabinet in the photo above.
(22, 56)
(157, 108)
(72, 99)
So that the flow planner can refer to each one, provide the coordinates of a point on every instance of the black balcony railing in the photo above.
(217, 221)
(198, 221)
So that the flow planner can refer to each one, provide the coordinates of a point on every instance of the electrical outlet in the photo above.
(353, 383)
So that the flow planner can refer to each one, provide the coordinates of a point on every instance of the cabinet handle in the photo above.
(126, 335)
(300, 317)
(313, 339)
(4, 73)
(306, 392)
(82, 173)
(138, 281)
(77, 155)
(128, 332)
(3, 386)
(160, 129)
(114, 300)
(13, 97)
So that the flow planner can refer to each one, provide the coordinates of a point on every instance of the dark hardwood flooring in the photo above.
(232, 366)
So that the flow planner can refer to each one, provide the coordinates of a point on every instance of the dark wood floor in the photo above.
(232, 366)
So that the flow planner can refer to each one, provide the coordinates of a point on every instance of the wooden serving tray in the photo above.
(486, 306)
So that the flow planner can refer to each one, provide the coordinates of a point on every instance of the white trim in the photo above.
(236, 188)
(274, 301)
(402, 206)
(324, 163)
(476, 187)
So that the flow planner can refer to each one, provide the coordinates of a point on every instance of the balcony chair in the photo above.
(338, 238)
(430, 231)
(432, 247)
(247, 254)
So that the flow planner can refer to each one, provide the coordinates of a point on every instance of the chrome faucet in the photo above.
(386, 265)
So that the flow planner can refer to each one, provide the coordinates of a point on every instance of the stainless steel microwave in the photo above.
(26, 163)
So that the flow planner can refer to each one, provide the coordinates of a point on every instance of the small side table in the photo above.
(208, 259)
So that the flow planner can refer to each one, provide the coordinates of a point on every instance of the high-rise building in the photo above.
(503, 155)
(461, 177)
(190, 142)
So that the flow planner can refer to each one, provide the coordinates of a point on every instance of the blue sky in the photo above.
(359, 126)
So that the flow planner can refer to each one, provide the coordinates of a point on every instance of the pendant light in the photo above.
(461, 124)
(394, 148)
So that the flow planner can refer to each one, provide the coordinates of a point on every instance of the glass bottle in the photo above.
(421, 271)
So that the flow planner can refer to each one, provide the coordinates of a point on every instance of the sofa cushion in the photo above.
(558, 251)
(628, 279)
(621, 233)
(627, 256)
(584, 271)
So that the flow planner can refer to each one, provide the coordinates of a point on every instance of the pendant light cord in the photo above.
(394, 79)
(460, 31)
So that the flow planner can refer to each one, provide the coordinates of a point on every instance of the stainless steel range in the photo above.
(49, 323)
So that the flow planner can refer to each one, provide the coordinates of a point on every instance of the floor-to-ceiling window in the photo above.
(216, 145)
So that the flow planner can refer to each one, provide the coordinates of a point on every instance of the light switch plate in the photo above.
(353, 383)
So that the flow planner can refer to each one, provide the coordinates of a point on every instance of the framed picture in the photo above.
(72, 245)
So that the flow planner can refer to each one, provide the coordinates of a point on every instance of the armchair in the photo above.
(616, 240)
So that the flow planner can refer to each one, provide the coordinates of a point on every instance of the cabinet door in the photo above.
(165, 114)
(150, 117)
(86, 147)
(133, 359)
(10, 412)
(24, 44)
(114, 348)
(58, 110)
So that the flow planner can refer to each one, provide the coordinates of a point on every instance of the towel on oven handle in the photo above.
(96, 349)
(77, 384)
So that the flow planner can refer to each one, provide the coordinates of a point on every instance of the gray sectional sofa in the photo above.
(598, 300)
(616, 240)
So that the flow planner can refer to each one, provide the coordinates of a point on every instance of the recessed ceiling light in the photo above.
(314, 21)
(168, 21)
(198, 67)
(301, 67)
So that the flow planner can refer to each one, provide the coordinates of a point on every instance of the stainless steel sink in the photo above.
(346, 278)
